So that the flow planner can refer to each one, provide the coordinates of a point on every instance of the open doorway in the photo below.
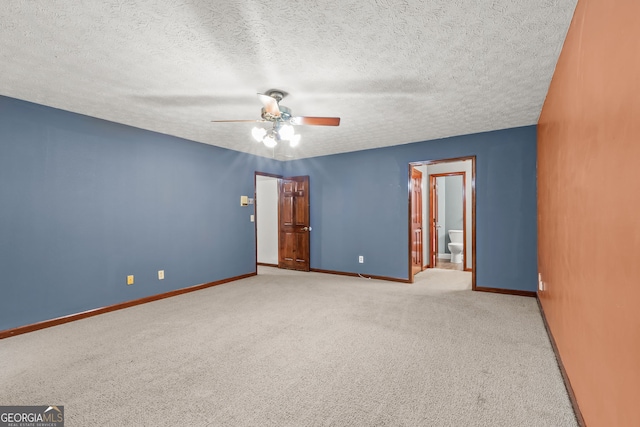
(447, 236)
(282, 221)
(266, 218)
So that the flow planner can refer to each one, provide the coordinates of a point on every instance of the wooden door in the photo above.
(416, 221)
(293, 214)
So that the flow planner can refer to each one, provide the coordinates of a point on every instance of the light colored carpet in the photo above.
(299, 349)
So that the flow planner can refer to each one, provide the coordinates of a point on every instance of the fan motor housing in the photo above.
(285, 114)
(276, 94)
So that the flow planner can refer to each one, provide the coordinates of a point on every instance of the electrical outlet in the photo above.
(160, 274)
(361, 259)
(253, 218)
(130, 279)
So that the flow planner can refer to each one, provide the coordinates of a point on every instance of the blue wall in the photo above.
(86, 202)
(359, 206)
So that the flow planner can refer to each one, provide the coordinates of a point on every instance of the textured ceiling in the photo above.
(395, 71)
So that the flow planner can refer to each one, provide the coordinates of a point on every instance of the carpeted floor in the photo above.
(299, 349)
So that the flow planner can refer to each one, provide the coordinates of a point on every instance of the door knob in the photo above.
(306, 228)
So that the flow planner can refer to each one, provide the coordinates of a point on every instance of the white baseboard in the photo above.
(444, 256)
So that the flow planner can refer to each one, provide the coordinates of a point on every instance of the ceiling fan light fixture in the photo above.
(258, 133)
(282, 120)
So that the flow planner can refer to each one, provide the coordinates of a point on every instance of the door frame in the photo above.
(410, 274)
(433, 206)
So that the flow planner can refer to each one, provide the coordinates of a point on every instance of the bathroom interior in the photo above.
(449, 219)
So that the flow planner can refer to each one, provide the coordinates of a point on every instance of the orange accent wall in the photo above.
(589, 210)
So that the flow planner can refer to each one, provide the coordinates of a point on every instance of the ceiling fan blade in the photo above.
(316, 121)
(239, 121)
(270, 104)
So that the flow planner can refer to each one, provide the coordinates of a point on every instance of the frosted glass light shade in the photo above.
(258, 133)
(270, 141)
(286, 132)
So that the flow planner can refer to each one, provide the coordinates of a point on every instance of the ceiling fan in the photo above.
(282, 121)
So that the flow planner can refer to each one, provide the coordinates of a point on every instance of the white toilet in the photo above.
(456, 247)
